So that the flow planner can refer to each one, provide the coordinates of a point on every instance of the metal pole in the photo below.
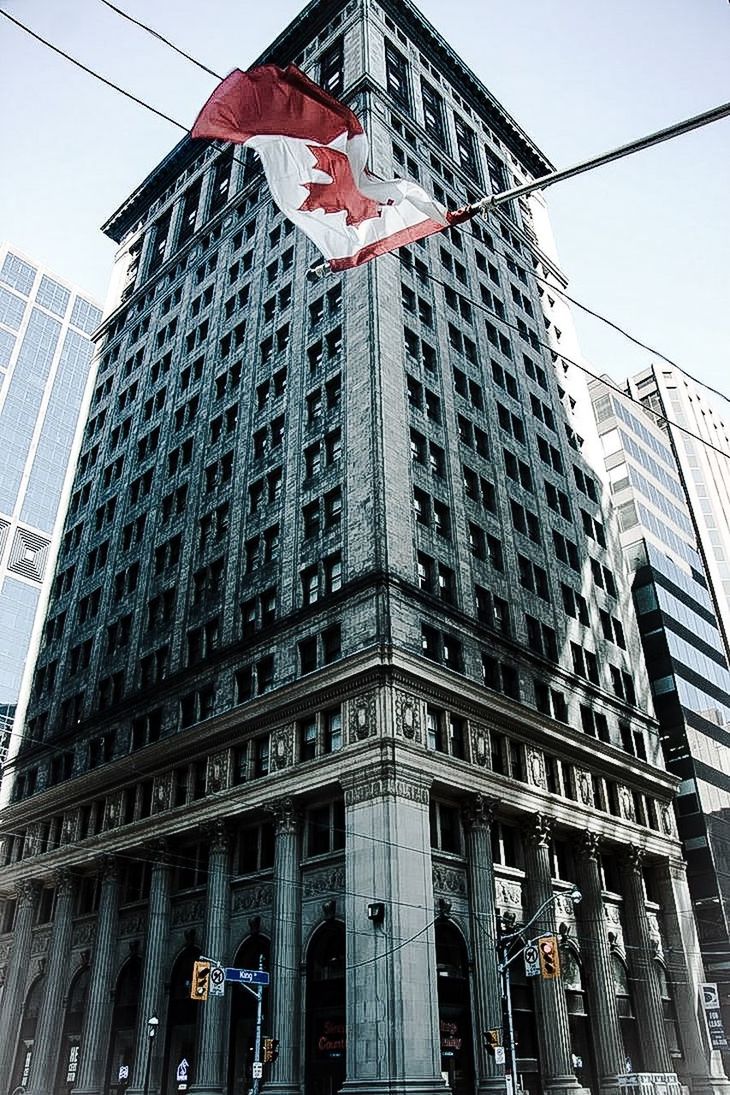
(259, 1024)
(510, 1028)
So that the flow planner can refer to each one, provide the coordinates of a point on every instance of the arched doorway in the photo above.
(326, 1018)
(124, 1021)
(182, 1019)
(455, 1034)
(68, 1058)
(627, 1017)
(252, 951)
(671, 1026)
(578, 1019)
(24, 1051)
(525, 1030)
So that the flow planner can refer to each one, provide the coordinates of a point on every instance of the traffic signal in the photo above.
(271, 1049)
(201, 981)
(492, 1039)
(549, 958)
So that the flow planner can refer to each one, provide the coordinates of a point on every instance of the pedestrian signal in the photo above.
(271, 1049)
(491, 1039)
(201, 981)
(549, 958)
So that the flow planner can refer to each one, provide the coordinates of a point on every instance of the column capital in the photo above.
(632, 860)
(218, 835)
(538, 830)
(27, 891)
(287, 815)
(158, 852)
(63, 881)
(478, 812)
(107, 867)
(587, 845)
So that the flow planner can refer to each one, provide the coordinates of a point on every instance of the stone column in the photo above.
(551, 1012)
(151, 995)
(210, 1057)
(599, 987)
(13, 992)
(701, 1066)
(97, 1019)
(48, 1037)
(392, 1000)
(478, 815)
(640, 951)
(285, 951)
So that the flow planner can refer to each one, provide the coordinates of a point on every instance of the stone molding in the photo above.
(362, 722)
(253, 897)
(450, 880)
(328, 880)
(386, 780)
(407, 715)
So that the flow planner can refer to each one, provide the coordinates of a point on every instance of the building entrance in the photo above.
(326, 1035)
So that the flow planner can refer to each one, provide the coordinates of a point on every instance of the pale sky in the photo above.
(643, 241)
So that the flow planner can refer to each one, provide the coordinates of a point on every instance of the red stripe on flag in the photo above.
(273, 102)
(388, 243)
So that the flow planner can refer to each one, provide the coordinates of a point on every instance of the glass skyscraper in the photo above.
(45, 362)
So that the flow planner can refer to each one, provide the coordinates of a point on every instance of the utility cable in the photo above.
(91, 72)
(161, 38)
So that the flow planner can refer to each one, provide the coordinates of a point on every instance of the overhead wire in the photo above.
(678, 129)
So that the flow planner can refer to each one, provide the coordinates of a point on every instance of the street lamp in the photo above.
(504, 944)
(152, 1024)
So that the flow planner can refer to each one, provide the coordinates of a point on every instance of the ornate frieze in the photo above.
(626, 804)
(449, 880)
(583, 787)
(536, 768)
(162, 792)
(188, 912)
(253, 897)
(407, 716)
(41, 940)
(479, 744)
(362, 720)
(384, 782)
(84, 933)
(282, 746)
(132, 924)
(508, 893)
(328, 880)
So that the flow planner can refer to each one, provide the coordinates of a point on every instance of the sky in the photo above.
(643, 241)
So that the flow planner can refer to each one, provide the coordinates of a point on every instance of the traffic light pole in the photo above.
(506, 959)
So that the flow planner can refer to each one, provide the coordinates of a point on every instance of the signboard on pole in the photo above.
(532, 961)
(257, 1070)
(713, 1015)
(217, 981)
(247, 977)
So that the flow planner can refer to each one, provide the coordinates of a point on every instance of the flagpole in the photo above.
(639, 145)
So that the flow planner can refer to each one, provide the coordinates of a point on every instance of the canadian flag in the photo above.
(314, 154)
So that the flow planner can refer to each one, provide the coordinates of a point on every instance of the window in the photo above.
(325, 828)
(255, 850)
(445, 828)
(320, 734)
(433, 114)
(332, 69)
(396, 76)
(466, 147)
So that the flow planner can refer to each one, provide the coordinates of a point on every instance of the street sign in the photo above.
(713, 1015)
(247, 977)
(182, 1070)
(123, 1073)
(258, 1070)
(532, 961)
(217, 985)
(499, 1055)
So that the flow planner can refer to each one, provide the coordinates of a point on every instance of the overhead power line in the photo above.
(161, 38)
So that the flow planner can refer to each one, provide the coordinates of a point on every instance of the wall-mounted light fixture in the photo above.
(376, 912)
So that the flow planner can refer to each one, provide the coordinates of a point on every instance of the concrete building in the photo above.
(45, 363)
(683, 644)
(326, 683)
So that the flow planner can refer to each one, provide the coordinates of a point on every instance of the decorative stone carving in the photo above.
(627, 804)
(611, 912)
(5, 950)
(632, 859)
(587, 845)
(362, 717)
(69, 828)
(329, 909)
(188, 912)
(161, 794)
(372, 785)
(583, 787)
(536, 768)
(217, 836)
(217, 775)
(508, 893)
(287, 816)
(282, 746)
(63, 881)
(83, 933)
(329, 880)
(538, 829)
(449, 880)
(479, 812)
(108, 868)
(253, 897)
(113, 811)
(407, 716)
(27, 891)
(667, 819)
(133, 924)
(479, 744)
(443, 907)
(41, 941)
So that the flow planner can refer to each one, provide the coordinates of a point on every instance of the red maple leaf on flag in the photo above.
(339, 194)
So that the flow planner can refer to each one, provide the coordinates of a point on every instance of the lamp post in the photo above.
(152, 1024)
(504, 944)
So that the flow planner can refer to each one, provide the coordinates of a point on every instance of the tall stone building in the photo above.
(340, 666)
(684, 648)
(45, 365)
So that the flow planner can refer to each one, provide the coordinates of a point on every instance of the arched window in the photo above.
(455, 1035)
(254, 950)
(124, 1019)
(671, 1027)
(627, 1017)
